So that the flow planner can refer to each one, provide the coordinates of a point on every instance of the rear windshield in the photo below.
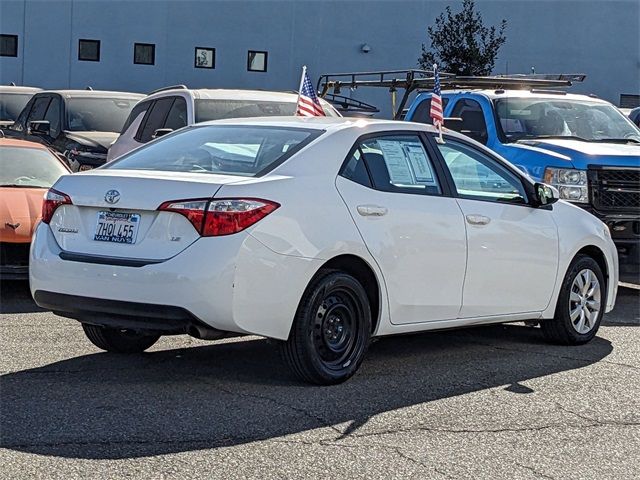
(245, 150)
(219, 109)
(12, 104)
(29, 167)
(98, 114)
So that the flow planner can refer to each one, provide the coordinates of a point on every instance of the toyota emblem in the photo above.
(112, 196)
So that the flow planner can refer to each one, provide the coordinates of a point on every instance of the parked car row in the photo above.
(83, 125)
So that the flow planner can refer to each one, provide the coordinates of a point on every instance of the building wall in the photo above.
(599, 38)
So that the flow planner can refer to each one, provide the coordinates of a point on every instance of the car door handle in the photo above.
(475, 219)
(371, 210)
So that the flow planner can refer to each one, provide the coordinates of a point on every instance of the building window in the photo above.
(144, 53)
(8, 45)
(89, 50)
(205, 58)
(257, 61)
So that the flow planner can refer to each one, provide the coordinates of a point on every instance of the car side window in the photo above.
(53, 116)
(400, 163)
(480, 177)
(139, 109)
(473, 123)
(154, 119)
(355, 170)
(21, 121)
(177, 117)
(39, 109)
(422, 113)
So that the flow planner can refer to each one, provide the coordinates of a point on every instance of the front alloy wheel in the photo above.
(584, 301)
(580, 304)
(331, 331)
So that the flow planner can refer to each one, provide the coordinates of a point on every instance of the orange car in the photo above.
(27, 170)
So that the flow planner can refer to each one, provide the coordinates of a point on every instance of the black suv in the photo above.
(79, 124)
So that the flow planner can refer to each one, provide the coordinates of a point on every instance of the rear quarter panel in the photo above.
(312, 222)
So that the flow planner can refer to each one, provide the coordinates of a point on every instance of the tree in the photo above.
(461, 44)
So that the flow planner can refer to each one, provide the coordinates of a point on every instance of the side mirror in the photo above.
(546, 194)
(161, 132)
(40, 127)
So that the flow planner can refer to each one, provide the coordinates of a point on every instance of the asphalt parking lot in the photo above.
(491, 402)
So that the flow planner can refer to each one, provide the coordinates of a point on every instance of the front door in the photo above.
(513, 247)
(416, 234)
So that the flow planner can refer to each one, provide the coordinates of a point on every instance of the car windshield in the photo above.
(220, 149)
(98, 114)
(11, 104)
(29, 167)
(211, 109)
(521, 118)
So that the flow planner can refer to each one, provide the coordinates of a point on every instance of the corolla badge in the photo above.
(112, 196)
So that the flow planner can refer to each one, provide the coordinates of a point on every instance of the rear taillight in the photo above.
(52, 200)
(214, 218)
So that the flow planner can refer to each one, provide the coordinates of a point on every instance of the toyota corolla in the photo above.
(319, 233)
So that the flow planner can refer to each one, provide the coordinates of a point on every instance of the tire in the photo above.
(331, 330)
(118, 341)
(581, 304)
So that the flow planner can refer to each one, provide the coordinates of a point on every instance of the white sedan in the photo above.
(320, 233)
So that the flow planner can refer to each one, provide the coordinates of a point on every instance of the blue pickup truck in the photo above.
(583, 146)
(580, 144)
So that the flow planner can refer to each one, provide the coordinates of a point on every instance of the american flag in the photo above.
(308, 102)
(436, 100)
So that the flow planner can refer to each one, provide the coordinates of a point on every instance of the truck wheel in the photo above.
(580, 304)
(331, 330)
(117, 340)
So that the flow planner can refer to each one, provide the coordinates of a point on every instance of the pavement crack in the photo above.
(595, 420)
(547, 354)
(533, 470)
(302, 411)
(424, 428)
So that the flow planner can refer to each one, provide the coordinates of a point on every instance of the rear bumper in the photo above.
(226, 283)
(114, 313)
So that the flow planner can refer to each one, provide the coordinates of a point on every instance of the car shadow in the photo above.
(15, 297)
(108, 406)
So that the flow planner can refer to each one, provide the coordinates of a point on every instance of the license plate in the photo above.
(117, 227)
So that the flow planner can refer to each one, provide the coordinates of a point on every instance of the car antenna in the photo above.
(12, 84)
(89, 87)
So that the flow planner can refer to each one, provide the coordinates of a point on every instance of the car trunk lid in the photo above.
(114, 213)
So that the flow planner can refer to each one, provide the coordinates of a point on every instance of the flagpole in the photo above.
(440, 139)
(304, 72)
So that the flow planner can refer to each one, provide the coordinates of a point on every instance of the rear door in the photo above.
(415, 232)
(512, 247)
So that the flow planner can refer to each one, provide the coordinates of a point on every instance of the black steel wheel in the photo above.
(117, 340)
(331, 330)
